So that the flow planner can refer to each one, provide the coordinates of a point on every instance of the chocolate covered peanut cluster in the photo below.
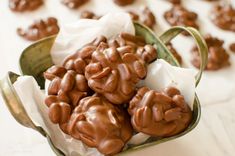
(40, 29)
(180, 16)
(74, 4)
(174, 53)
(100, 124)
(223, 16)
(123, 2)
(24, 5)
(159, 114)
(217, 55)
(175, 1)
(89, 15)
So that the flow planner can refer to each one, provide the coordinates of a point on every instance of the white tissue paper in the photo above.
(74, 36)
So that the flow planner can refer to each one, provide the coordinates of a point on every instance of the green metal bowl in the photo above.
(36, 59)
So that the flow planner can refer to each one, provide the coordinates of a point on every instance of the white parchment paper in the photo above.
(73, 36)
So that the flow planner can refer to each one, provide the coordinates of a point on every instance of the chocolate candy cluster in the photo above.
(175, 1)
(217, 55)
(74, 4)
(144, 16)
(99, 123)
(174, 53)
(223, 16)
(89, 94)
(40, 29)
(180, 16)
(159, 114)
(24, 5)
(88, 15)
(123, 2)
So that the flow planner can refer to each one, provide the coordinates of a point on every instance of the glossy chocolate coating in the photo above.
(232, 47)
(114, 75)
(217, 55)
(89, 15)
(180, 16)
(74, 4)
(123, 2)
(159, 114)
(24, 5)
(98, 123)
(79, 60)
(175, 1)
(147, 17)
(174, 52)
(65, 86)
(40, 29)
(223, 16)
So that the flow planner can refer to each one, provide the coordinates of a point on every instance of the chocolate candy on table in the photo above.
(174, 52)
(100, 124)
(40, 29)
(24, 5)
(217, 55)
(74, 4)
(223, 16)
(180, 16)
(89, 15)
(175, 1)
(145, 16)
(232, 47)
(159, 114)
(123, 2)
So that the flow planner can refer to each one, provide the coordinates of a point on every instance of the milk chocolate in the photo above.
(98, 123)
(88, 15)
(74, 4)
(180, 16)
(217, 55)
(175, 1)
(65, 86)
(223, 16)
(144, 16)
(175, 53)
(24, 5)
(123, 2)
(232, 47)
(147, 17)
(114, 75)
(40, 29)
(79, 60)
(159, 114)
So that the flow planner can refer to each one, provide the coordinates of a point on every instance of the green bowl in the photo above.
(36, 59)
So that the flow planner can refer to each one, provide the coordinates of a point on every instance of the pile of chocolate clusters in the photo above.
(94, 98)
